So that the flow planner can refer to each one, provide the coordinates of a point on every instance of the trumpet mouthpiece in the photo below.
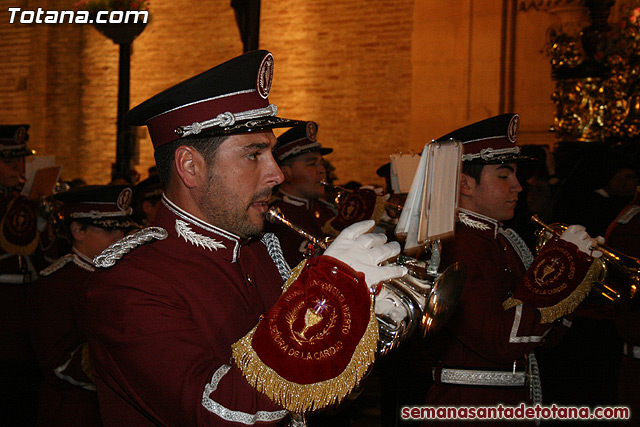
(274, 214)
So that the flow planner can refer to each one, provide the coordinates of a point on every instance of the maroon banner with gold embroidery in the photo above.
(18, 229)
(315, 345)
(360, 205)
(559, 278)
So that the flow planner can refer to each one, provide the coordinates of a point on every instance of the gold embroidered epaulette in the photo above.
(61, 262)
(113, 253)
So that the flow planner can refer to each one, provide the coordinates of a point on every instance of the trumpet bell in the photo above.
(627, 267)
(428, 303)
(444, 297)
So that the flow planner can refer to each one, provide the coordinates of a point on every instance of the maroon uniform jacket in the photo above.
(20, 225)
(308, 215)
(163, 319)
(481, 335)
(67, 395)
(624, 235)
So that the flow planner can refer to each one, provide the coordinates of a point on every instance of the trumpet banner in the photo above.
(360, 205)
(18, 228)
(559, 279)
(317, 343)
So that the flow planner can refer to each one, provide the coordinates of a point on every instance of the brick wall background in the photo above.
(347, 66)
(378, 76)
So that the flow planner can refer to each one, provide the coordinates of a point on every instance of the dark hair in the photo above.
(474, 170)
(164, 154)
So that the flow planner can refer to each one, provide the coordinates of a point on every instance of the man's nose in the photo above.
(517, 187)
(274, 173)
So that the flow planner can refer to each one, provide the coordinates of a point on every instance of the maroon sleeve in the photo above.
(150, 351)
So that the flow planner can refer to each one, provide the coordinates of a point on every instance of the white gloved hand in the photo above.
(388, 306)
(363, 252)
(577, 235)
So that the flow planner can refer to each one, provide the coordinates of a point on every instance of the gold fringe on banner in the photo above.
(567, 305)
(307, 397)
(295, 272)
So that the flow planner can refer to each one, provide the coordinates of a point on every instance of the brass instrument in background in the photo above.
(275, 215)
(427, 297)
(627, 266)
(390, 205)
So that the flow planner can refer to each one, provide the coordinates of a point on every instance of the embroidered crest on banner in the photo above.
(184, 231)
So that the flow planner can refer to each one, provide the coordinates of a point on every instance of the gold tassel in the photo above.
(307, 397)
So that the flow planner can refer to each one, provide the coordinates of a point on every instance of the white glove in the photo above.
(363, 252)
(388, 306)
(577, 235)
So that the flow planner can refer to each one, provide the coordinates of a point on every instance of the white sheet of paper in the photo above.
(403, 169)
(430, 209)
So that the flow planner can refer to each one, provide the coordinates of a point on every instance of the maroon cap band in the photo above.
(162, 127)
(493, 142)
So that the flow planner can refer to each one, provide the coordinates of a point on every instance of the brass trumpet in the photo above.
(275, 215)
(394, 206)
(628, 266)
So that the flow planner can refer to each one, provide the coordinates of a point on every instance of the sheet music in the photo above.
(430, 209)
(409, 220)
(42, 172)
(403, 169)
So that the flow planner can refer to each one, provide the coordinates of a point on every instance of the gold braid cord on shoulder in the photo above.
(309, 393)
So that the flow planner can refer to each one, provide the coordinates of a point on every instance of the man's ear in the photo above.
(467, 184)
(77, 231)
(190, 165)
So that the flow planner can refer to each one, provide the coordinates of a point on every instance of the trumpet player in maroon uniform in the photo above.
(95, 217)
(300, 195)
(196, 320)
(484, 355)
